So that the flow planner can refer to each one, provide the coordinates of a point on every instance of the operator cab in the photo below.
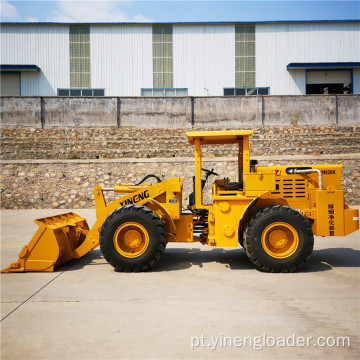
(198, 139)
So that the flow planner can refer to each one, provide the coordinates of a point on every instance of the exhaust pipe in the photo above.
(307, 171)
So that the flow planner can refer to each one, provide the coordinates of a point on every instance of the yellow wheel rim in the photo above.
(280, 240)
(131, 239)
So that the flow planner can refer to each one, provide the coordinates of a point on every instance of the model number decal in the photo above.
(135, 198)
(328, 172)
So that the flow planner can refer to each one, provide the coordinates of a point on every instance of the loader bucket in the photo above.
(53, 243)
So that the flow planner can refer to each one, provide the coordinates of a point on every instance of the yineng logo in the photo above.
(136, 198)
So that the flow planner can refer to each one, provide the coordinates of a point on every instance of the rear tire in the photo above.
(278, 239)
(132, 238)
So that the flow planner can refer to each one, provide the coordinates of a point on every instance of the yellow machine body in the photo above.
(317, 196)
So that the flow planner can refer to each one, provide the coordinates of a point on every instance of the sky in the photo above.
(175, 11)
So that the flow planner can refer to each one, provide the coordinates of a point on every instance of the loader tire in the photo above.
(278, 239)
(241, 237)
(132, 238)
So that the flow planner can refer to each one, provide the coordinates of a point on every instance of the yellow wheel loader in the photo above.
(273, 212)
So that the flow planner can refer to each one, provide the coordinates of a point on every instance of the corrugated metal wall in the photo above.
(44, 46)
(204, 58)
(280, 44)
(121, 58)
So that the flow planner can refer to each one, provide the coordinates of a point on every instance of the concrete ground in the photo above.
(195, 295)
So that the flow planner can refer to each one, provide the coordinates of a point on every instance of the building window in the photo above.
(80, 57)
(243, 91)
(244, 56)
(163, 92)
(162, 42)
(81, 92)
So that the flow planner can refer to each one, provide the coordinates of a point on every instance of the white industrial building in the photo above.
(180, 59)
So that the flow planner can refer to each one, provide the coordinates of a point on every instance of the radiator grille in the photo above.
(291, 188)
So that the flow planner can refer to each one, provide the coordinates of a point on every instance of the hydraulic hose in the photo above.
(147, 177)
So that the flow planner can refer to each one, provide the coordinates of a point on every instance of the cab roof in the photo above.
(218, 137)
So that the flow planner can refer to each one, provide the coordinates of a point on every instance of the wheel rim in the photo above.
(280, 240)
(131, 239)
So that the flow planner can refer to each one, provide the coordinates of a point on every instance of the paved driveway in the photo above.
(195, 304)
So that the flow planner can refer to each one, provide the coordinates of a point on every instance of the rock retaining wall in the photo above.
(58, 167)
(69, 183)
(132, 142)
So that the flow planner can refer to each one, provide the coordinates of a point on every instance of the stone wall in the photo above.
(184, 112)
(58, 167)
(69, 183)
(132, 142)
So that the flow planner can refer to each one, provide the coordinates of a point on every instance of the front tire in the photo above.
(278, 239)
(132, 238)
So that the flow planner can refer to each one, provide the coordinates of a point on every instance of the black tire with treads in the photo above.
(154, 227)
(257, 224)
(241, 237)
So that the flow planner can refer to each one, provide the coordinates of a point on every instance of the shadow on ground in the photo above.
(326, 259)
(235, 259)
